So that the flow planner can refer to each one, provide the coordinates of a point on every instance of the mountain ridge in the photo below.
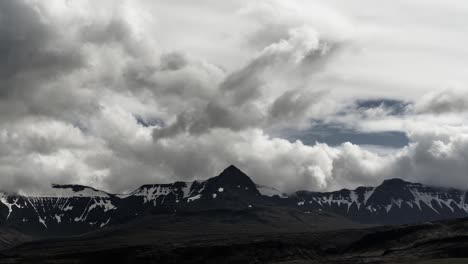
(74, 209)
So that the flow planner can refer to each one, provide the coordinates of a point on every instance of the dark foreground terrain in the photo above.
(260, 235)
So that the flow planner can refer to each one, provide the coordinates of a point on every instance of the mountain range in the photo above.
(76, 209)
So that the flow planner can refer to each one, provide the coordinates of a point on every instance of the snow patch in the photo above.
(58, 218)
(269, 191)
(104, 203)
(42, 222)
(37, 212)
(425, 198)
(194, 198)
(4, 200)
(151, 193)
(105, 223)
(368, 194)
(388, 207)
(186, 189)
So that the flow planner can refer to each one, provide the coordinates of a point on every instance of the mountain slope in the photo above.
(66, 209)
(75, 209)
(393, 202)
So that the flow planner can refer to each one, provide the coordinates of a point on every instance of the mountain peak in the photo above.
(232, 173)
(389, 190)
(395, 182)
(236, 179)
(231, 169)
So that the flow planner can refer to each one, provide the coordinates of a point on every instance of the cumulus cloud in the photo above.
(451, 100)
(118, 94)
(256, 95)
(437, 158)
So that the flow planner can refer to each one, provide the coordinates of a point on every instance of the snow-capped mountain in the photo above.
(73, 209)
(393, 202)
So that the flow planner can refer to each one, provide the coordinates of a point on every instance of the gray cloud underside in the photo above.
(116, 95)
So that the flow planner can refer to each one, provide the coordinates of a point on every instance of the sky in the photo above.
(299, 94)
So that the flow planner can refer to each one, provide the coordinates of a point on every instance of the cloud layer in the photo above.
(118, 94)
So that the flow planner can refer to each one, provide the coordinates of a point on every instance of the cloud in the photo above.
(292, 104)
(274, 19)
(36, 152)
(31, 47)
(437, 158)
(335, 134)
(103, 75)
(451, 100)
(255, 95)
(55, 82)
(34, 54)
(116, 95)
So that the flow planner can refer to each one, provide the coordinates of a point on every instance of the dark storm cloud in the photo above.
(31, 50)
(35, 55)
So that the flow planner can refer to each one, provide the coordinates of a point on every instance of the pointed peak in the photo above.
(233, 174)
(232, 169)
(235, 180)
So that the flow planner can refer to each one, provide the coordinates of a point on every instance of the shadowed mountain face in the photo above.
(393, 202)
(73, 209)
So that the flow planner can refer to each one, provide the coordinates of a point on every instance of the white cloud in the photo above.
(213, 80)
(444, 101)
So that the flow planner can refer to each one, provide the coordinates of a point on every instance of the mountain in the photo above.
(75, 209)
(393, 202)
(64, 209)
